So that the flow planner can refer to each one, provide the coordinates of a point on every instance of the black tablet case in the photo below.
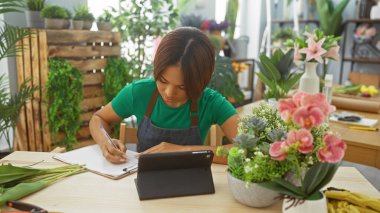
(162, 175)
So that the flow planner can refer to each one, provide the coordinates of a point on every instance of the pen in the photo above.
(364, 128)
(108, 137)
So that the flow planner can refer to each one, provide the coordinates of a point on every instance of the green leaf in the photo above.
(285, 64)
(9, 173)
(314, 176)
(266, 81)
(289, 84)
(280, 189)
(270, 68)
(332, 168)
(277, 56)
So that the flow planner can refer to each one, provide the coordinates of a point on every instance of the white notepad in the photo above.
(92, 157)
(363, 122)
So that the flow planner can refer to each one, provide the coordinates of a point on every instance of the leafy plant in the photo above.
(224, 79)
(53, 11)
(82, 13)
(105, 17)
(64, 95)
(139, 22)
(330, 18)
(191, 20)
(276, 73)
(35, 5)
(231, 14)
(117, 74)
(10, 105)
(18, 182)
(283, 33)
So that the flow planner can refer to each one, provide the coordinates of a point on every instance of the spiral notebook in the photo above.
(92, 158)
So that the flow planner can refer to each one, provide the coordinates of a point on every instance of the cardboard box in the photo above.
(365, 78)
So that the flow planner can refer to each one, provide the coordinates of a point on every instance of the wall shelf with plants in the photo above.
(87, 51)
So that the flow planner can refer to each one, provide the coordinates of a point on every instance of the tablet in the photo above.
(172, 174)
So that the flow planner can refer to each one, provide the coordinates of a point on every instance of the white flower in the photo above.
(247, 159)
(256, 166)
(258, 153)
(248, 169)
(241, 151)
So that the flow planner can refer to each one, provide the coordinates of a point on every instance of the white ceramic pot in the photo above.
(309, 206)
(254, 195)
(309, 82)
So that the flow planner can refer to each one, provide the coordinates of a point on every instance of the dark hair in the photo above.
(191, 49)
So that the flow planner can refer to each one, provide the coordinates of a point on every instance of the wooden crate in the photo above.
(85, 50)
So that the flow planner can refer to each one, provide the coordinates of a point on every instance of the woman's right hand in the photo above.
(112, 154)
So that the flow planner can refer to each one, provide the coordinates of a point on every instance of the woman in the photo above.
(175, 109)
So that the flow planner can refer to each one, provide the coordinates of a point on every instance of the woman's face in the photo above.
(171, 86)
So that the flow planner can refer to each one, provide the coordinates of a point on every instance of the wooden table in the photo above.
(88, 192)
(363, 146)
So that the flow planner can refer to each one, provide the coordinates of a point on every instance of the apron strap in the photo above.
(152, 102)
(193, 108)
(194, 113)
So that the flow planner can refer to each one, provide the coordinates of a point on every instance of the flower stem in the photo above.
(298, 169)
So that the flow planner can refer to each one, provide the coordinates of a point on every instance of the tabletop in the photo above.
(88, 192)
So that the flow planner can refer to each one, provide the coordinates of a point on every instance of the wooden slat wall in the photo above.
(85, 50)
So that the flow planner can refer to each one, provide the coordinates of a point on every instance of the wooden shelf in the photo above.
(363, 60)
(362, 20)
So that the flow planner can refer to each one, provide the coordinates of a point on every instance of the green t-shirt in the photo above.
(134, 99)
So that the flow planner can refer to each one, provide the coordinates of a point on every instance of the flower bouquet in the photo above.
(364, 33)
(290, 150)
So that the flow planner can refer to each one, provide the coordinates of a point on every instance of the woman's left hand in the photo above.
(167, 147)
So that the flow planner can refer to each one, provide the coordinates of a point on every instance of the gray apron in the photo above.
(150, 135)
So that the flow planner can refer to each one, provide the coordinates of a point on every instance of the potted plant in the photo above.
(55, 16)
(289, 150)
(224, 80)
(104, 21)
(276, 74)
(10, 105)
(280, 35)
(191, 20)
(33, 13)
(82, 13)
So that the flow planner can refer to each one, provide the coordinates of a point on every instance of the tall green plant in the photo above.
(330, 17)
(224, 79)
(139, 22)
(35, 5)
(64, 95)
(231, 14)
(276, 73)
(10, 105)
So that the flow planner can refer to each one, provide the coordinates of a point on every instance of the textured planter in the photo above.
(254, 195)
(52, 23)
(66, 23)
(33, 19)
(107, 26)
(87, 25)
(78, 24)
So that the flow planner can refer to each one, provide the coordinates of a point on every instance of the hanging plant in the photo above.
(64, 95)
(117, 73)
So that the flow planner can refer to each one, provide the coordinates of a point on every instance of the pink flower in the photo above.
(286, 107)
(298, 97)
(310, 36)
(333, 149)
(314, 50)
(332, 53)
(302, 140)
(308, 117)
(370, 32)
(317, 100)
(277, 150)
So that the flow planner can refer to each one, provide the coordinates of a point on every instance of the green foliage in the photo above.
(283, 33)
(18, 182)
(64, 95)
(191, 20)
(318, 176)
(105, 17)
(117, 74)
(224, 79)
(82, 13)
(231, 14)
(139, 22)
(275, 73)
(10, 106)
(35, 5)
(7, 6)
(9, 35)
(330, 18)
(53, 11)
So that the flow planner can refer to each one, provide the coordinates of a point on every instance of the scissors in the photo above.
(25, 207)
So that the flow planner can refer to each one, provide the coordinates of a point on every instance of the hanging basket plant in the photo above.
(64, 95)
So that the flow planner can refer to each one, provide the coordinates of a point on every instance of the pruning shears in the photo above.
(25, 207)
